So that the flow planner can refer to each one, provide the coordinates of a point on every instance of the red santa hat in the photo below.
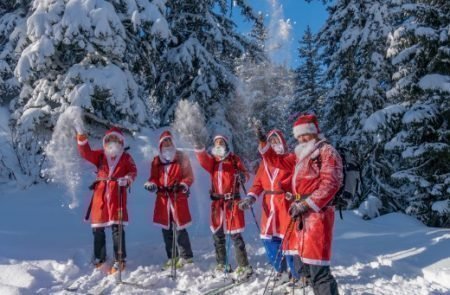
(165, 135)
(306, 124)
(114, 131)
(280, 136)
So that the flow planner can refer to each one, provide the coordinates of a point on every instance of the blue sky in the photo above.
(299, 12)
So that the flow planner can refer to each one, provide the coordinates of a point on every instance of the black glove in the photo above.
(259, 131)
(198, 142)
(297, 209)
(184, 188)
(150, 186)
(246, 203)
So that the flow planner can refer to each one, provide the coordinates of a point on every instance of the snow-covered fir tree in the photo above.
(308, 83)
(353, 45)
(199, 63)
(82, 53)
(124, 62)
(413, 132)
(12, 40)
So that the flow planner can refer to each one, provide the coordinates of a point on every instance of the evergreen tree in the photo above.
(82, 53)
(199, 63)
(415, 137)
(353, 44)
(12, 40)
(309, 90)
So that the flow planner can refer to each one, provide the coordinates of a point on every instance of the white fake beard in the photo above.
(168, 153)
(278, 148)
(219, 151)
(113, 149)
(302, 150)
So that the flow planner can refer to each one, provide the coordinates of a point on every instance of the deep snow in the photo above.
(45, 245)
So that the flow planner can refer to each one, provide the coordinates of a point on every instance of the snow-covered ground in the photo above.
(45, 246)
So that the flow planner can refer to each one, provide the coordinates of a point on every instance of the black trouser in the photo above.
(221, 250)
(183, 242)
(100, 243)
(321, 279)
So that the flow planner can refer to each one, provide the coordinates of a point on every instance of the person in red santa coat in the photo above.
(317, 176)
(272, 183)
(171, 176)
(226, 218)
(116, 171)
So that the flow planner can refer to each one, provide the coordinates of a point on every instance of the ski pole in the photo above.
(174, 232)
(272, 272)
(173, 272)
(119, 252)
(251, 208)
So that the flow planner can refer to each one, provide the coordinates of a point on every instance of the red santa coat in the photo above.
(224, 213)
(105, 199)
(175, 204)
(317, 177)
(269, 183)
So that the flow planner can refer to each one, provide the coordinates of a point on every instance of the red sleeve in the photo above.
(186, 170)
(257, 187)
(87, 153)
(154, 172)
(205, 160)
(331, 177)
(285, 161)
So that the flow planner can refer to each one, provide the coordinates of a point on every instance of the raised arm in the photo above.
(85, 150)
(205, 159)
(285, 161)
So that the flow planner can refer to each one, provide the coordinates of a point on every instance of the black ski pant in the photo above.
(100, 243)
(221, 248)
(320, 279)
(184, 249)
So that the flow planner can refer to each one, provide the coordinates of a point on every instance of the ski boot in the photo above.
(116, 266)
(243, 273)
(98, 263)
(222, 268)
(168, 264)
(183, 262)
(281, 278)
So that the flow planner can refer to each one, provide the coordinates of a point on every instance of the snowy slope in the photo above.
(45, 246)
